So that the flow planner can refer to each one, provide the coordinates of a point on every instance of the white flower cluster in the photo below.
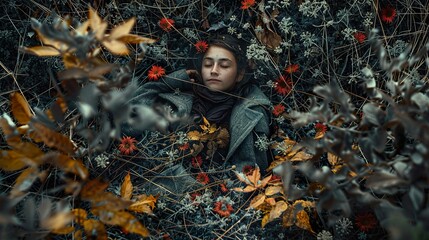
(286, 25)
(324, 235)
(102, 160)
(398, 47)
(367, 22)
(308, 39)
(311, 8)
(262, 143)
(343, 227)
(257, 51)
(183, 138)
(349, 34)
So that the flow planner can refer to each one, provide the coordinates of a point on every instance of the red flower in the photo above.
(292, 68)
(201, 46)
(196, 161)
(320, 127)
(223, 209)
(166, 24)
(203, 178)
(223, 188)
(156, 72)
(247, 170)
(366, 221)
(127, 145)
(359, 36)
(246, 4)
(388, 13)
(278, 109)
(284, 85)
(184, 146)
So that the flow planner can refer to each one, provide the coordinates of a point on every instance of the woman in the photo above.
(220, 91)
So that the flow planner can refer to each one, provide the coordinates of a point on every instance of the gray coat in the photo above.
(249, 116)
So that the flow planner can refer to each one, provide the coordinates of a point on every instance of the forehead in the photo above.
(217, 53)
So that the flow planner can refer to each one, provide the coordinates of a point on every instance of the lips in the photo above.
(213, 80)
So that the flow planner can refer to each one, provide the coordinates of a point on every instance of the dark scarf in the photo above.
(214, 106)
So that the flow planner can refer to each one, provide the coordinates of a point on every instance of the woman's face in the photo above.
(219, 69)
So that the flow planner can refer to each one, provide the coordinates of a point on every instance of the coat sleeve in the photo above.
(148, 92)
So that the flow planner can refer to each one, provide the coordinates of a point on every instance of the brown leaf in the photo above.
(255, 177)
(83, 28)
(333, 159)
(116, 47)
(20, 108)
(94, 229)
(194, 135)
(99, 71)
(303, 221)
(57, 221)
(97, 24)
(301, 156)
(8, 128)
(80, 215)
(24, 181)
(53, 138)
(42, 51)
(127, 187)
(109, 201)
(124, 219)
(265, 220)
(269, 38)
(319, 135)
(122, 29)
(257, 200)
(70, 61)
(149, 200)
(77, 235)
(271, 201)
(288, 217)
(135, 39)
(222, 138)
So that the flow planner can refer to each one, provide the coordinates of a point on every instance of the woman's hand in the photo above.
(194, 76)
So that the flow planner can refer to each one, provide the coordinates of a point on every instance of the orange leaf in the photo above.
(333, 159)
(80, 215)
(135, 39)
(124, 219)
(288, 217)
(264, 182)
(97, 24)
(301, 156)
(24, 181)
(271, 201)
(248, 188)
(255, 177)
(109, 201)
(77, 235)
(83, 28)
(12, 161)
(127, 187)
(116, 47)
(194, 135)
(42, 51)
(57, 221)
(64, 230)
(265, 220)
(93, 188)
(122, 29)
(256, 201)
(53, 138)
(8, 128)
(148, 200)
(303, 221)
(20, 108)
(94, 229)
(67, 164)
(319, 135)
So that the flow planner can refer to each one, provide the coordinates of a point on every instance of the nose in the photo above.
(215, 69)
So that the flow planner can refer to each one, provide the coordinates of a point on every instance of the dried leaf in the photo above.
(271, 190)
(109, 201)
(194, 135)
(57, 221)
(144, 204)
(319, 135)
(42, 51)
(256, 201)
(333, 159)
(94, 229)
(124, 219)
(277, 210)
(63, 231)
(12, 161)
(99, 71)
(83, 28)
(24, 181)
(116, 47)
(97, 24)
(122, 29)
(265, 219)
(303, 221)
(127, 188)
(53, 138)
(255, 177)
(288, 217)
(222, 138)
(248, 188)
(8, 128)
(20, 108)
(135, 39)
(271, 201)
(80, 215)
(67, 164)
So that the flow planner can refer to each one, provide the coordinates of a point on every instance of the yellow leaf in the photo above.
(20, 108)
(116, 47)
(277, 210)
(288, 217)
(122, 29)
(248, 188)
(53, 138)
(135, 39)
(255, 177)
(333, 159)
(80, 215)
(149, 200)
(57, 221)
(127, 187)
(24, 181)
(319, 134)
(271, 190)
(264, 182)
(301, 156)
(70, 61)
(303, 221)
(194, 135)
(265, 220)
(256, 201)
(271, 201)
(94, 229)
(67, 164)
(42, 51)
(93, 188)
(304, 204)
(64, 230)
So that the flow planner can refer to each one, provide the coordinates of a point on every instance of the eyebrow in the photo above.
(221, 59)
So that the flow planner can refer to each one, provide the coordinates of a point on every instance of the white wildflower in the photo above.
(102, 160)
(262, 143)
(257, 52)
(324, 235)
(348, 34)
(231, 30)
(286, 25)
(313, 9)
(308, 39)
